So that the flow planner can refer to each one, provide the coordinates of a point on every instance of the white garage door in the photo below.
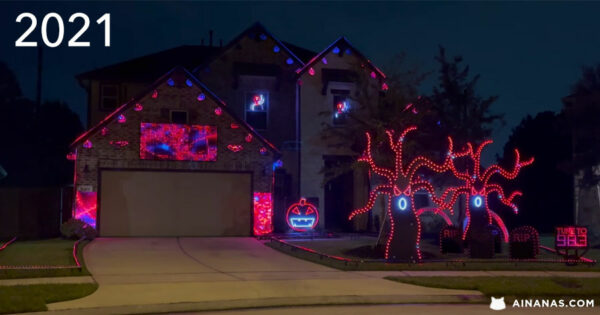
(151, 203)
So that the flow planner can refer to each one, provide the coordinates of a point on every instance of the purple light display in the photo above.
(178, 142)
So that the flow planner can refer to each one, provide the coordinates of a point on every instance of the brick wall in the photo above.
(156, 110)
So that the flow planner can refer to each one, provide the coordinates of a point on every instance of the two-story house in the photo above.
(232, 133)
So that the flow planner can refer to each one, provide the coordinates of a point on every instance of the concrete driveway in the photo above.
(141, 275)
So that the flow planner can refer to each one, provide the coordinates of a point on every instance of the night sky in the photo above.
(527, 53)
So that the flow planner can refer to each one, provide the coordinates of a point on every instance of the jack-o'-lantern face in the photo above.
(302, 216)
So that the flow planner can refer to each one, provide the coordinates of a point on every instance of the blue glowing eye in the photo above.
(170, 82)
(188, 82)
(276, 49)
(336, 50)
(289, 61)
(477, 201)
(402, 203)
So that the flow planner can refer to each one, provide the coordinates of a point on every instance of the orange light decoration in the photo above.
(400, 187)
(477, 185)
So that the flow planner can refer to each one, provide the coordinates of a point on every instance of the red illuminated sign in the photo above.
(571, 237)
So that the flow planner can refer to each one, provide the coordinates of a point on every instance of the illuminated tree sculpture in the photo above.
(477, 186)
(400, 185)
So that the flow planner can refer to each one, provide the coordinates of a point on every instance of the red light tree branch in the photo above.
(400, 186)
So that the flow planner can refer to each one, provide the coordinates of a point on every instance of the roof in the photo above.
(298, 54)
(149, 67)
(151, 88)
(342, 43)
(187, 56)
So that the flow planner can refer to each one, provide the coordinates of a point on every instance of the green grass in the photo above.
(513, 287)
(355, 248)
(52, 252)
(33, 298)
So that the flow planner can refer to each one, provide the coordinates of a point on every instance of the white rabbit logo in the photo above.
(497, 304)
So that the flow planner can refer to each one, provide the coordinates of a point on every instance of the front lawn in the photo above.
(359, 250)
(52, 252)
(33, 298)
(514, 287)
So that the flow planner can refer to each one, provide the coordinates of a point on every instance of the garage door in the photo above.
(150, 203)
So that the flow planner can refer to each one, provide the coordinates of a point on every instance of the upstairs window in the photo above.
(257, 109)
(341, 106)
(109, 96)
(179, 117)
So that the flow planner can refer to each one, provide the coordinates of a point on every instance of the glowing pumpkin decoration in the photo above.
(302, 216)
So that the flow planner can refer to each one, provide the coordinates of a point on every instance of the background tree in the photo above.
(582, 110)
(547, 199)
(34, 144)
(459, 111)
(376, 111)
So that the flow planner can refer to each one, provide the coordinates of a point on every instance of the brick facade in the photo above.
(156, 110)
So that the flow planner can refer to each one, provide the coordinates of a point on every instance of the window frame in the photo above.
(343, 92)
(187, 116)
(266, 110)
(102, 97)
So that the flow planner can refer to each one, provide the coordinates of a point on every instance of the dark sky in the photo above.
(527, 53)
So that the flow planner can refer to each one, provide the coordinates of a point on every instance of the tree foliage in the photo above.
(462, 112)
(547, 187)
(583, 114)
(34, 141)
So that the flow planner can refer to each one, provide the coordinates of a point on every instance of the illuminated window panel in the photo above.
(263, 213)
(178, 142)
(85, 207)
(257, 109)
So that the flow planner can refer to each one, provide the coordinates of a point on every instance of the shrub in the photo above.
(77, 229)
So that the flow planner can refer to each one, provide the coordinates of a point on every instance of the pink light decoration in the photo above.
(401, 183)
(201, 97)
(477, 185)
(248, 138)
(119, 144)
(121, 119)
(218, 111)
(138, 107)
(263, 213)
(384, 87)
(373, 74)
(178, 142)
(263, 150)
(235, 147)
(104, 131)
(155, 94)
(311, 71)
(87, 144)
(71, 156)
(234, 126)
(85, 207)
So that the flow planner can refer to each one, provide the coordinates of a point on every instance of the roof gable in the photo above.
(340, 47)
(259, 32)
(190, 80)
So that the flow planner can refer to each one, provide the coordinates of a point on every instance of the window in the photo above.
(341, 106)
(257, 109)
(109, 96)
(179, 117)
